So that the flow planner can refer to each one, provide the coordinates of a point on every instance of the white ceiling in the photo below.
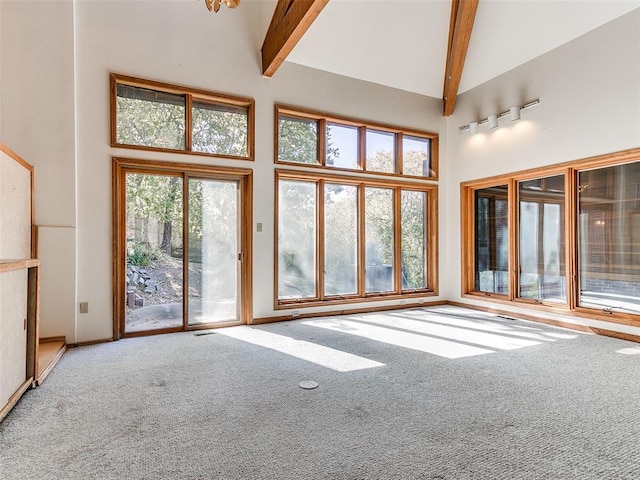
(403, 43)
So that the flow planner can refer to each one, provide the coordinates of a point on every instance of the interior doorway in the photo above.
(182, 247)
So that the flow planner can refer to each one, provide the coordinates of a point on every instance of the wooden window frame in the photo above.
(570, 206)
(363, 125)
(431, 238)
(190, 94)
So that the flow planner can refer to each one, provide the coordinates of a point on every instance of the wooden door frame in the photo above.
(121, 166)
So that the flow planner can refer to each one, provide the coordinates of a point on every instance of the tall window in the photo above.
(541, 236)
(340, 239)
(570, 239)
(153, 115)
(609, 238)
(379, 239)
(492, 240)
(328, 141)
(346, 239)
(414, 241)
(297, 207)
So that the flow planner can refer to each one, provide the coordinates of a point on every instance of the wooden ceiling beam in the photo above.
(463, 14)
(290, 21)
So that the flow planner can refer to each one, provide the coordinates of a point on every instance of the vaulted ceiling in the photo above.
(405, 43)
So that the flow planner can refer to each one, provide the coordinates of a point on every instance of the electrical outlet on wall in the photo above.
(84, 307)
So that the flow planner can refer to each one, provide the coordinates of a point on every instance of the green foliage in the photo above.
(298, 140)
(142, 254)
(154, 199)
(157, 119)
(414, 247)
(154, 124)
(221, 132)
(379, 225)
(415, 162)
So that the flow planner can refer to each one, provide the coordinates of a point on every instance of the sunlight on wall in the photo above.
(310, 352)
(508, 133)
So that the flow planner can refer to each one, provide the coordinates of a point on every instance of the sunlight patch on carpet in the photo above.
(303, 350)
(629, 351)
(484, 339)
(422, 343)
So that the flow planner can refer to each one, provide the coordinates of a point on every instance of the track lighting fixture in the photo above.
(492, 120)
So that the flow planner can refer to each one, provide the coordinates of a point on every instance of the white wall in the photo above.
(38, 123)
(2, 43)
(164, 41)
(589, 91)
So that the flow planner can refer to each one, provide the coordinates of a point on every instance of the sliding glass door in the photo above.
(181, 248)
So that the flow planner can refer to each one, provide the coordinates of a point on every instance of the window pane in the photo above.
(342, 146)
(381, 151)
(214, 244)
(492, 240)
(297, 140)
(379, 239)
(609, 238)
(340, 239)
(150, 118)
(415, 156)
(154, 269)
(541, 234)
(219, 129)
(296, 239)
(414, 239)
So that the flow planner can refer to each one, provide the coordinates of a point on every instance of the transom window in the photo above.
(158, 116)
(567, 236)
(319, 140)
(346, 239)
